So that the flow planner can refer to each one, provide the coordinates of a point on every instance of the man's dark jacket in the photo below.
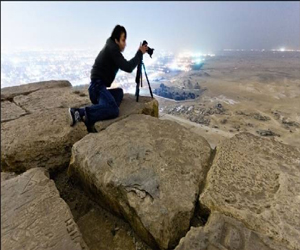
(110, 60)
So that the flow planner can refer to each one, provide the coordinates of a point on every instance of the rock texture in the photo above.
(10, 111)
(257, 181)
(129, 106)
(100, 229)
(225, 233)
(11, 92)
(7, 175)
(147, 170)
(33, 216)
(46, 99)
(40, 135)
(41, 139)
(101, 234)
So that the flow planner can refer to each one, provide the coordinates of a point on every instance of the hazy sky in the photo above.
(175, 26)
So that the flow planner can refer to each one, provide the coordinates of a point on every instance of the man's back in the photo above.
(110, 60)
(104, 68)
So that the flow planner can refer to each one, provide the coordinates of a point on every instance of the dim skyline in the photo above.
(171, 26)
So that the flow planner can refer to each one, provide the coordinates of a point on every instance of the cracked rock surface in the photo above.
(10, 111)
(147, 170)
(33, 216)
(36, 133)
(257, 181)
(10, 92)
(226, 233)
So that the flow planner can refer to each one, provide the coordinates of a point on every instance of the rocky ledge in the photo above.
(36, 132)
(162, 179)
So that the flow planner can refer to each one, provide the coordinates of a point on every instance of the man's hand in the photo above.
(143, 48)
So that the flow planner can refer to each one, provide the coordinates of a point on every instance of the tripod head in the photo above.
(149, 50)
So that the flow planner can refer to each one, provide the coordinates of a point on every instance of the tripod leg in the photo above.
(137, 92)
(137, 80)
(148, 80)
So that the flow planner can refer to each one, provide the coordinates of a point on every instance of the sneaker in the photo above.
(74, 116)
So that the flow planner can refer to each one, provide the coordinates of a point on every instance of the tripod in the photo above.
(139, 78)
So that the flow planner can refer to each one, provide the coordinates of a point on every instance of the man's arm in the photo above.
(123, 64)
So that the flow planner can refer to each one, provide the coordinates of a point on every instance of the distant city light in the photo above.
(198, 61)
(22, 67)
(174, 66)
(262, 50)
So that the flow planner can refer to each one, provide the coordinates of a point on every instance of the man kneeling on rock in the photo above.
(106, 102)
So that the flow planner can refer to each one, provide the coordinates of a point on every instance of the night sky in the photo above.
(170, 26)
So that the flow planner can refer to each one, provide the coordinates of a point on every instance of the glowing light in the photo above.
(15, 60)
(282, 49)
(174, 66)
(198, 61)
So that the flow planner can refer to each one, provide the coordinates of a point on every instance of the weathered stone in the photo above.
(147, 170)
(225, 233)
(260, 117)
(41, 139)
(44, 138)
(145, 105)
(257, 181)
(33, 216)
(10, 92)
(100, 233)
(46, 99)
(11, 111)
(268, 132)
(100, 229)
(7, 175)
(287, 121)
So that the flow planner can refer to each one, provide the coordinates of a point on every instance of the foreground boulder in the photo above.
(33, 216)
(257, 181)
(147, 170)
(41, 139)
(225, 233)
(39, 134)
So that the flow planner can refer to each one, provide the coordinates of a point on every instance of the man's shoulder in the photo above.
(111, 45)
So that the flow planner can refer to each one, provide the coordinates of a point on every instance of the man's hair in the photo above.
(117, 32)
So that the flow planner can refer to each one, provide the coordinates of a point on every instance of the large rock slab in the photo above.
(10, 92)
(41, 139)
(147, 170)
(46, 99)
(70, 97)
(257, 181)
(33, 216)
(10, 111)
(225, 233)
(44, 137)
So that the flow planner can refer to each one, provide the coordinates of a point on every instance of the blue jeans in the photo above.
(106, 102)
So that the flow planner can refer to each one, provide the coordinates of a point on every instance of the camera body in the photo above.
(149, 50)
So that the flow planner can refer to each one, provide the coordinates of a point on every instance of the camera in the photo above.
(149, 50)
